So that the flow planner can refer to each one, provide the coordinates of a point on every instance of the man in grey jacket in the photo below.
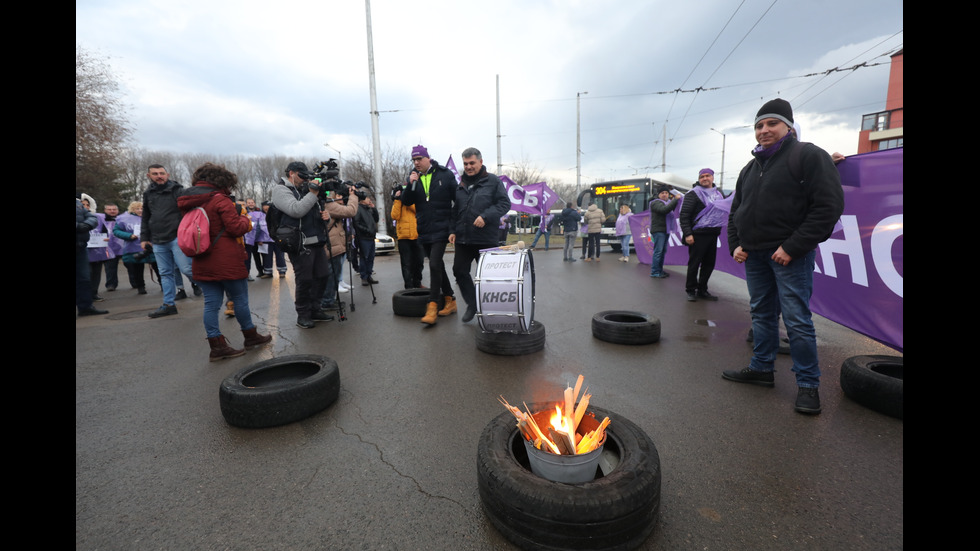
(298, 200)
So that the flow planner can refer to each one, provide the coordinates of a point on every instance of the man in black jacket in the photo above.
(480, 201)
(432, 189)
(161, 218)
(701, 239)
(787, 201)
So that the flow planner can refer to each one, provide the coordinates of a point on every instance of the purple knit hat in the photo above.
(420, 151)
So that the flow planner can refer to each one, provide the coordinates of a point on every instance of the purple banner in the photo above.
(858, 281)
(532, 198)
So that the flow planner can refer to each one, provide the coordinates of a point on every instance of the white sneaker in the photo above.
(343, 287)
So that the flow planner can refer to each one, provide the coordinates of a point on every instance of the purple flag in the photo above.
(452, 166)
(533, 198)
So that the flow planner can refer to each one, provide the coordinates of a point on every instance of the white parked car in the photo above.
(383, 244)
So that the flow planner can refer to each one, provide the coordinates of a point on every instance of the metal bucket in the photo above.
(570, 469)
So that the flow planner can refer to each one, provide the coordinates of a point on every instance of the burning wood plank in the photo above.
(563, 436)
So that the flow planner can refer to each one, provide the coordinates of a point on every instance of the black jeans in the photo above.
(465, 255)
(701, 262)
(411, 258)
(439, 284)
(312, 269)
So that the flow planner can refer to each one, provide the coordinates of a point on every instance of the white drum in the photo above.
(505, 290)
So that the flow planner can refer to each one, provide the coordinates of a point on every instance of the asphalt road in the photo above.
(392, 464)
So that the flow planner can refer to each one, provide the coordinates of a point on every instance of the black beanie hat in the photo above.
(776, 109)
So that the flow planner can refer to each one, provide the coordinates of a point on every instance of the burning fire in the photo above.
(562, 437)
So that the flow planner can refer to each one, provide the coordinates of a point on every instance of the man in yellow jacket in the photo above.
(409, 248)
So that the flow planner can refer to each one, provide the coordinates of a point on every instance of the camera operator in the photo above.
(340, 208)
(298, 199)
(366, 229)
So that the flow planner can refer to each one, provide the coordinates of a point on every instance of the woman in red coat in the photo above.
(221, 269)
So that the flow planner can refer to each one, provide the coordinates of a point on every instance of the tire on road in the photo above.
(410, 302)
(279, 391)
(875, 381)
(625, 327)
(512, 344)
(617, 510)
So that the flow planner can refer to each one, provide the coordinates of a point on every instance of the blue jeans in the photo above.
(774, 288)
(624, 243)
(214, 293)
(659, 250)
(547, 239)
(171, 262)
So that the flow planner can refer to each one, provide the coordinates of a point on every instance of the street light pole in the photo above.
(578, 141)
(340, 156)
(721, 185)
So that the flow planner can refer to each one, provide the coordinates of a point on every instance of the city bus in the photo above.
(635, 192)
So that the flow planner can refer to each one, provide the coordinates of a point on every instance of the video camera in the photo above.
(326, 176)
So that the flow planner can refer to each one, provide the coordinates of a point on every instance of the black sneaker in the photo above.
(320, 315)
(305, 323)
(164, 310)
(181, 295)
(691, 296)
(470, 312)
(92, 311)
(97, 298)
(197, 289)
(705, 295)
(750, 376)
(808, 401)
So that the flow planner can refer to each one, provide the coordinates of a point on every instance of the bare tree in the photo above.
(101, 127)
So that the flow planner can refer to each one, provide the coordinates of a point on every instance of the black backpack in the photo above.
(289, 238)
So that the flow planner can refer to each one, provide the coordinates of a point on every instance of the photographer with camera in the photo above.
(340, 207)
(366, 229)
(298, 200)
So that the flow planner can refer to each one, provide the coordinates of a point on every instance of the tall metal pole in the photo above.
(721, 185)
(379, 195)
(578, 141)
(499, 163)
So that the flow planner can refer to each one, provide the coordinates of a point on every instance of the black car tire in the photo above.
(410, 302)
(279, 391)
(616, 511)
(876, 382)
(512, 344)
(625, 327)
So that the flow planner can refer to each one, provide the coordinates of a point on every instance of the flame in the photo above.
(560, 422)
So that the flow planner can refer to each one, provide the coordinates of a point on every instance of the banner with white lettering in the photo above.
(533, 198)
(858, 281)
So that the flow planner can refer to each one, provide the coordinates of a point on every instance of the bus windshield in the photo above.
(608, 196)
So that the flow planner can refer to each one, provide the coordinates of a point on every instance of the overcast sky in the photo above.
(286, 77)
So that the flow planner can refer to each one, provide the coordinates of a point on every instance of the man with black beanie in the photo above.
(787, 201)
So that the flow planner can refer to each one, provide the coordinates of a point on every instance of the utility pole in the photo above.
(379, 195)
(721, 185)
(578, 141)
(499, 163)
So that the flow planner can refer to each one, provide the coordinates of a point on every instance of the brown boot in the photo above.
(431, 313)
(449, 308)
(253, 338)
(221, 350)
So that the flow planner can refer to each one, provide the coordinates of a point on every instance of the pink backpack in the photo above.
(194, 232)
